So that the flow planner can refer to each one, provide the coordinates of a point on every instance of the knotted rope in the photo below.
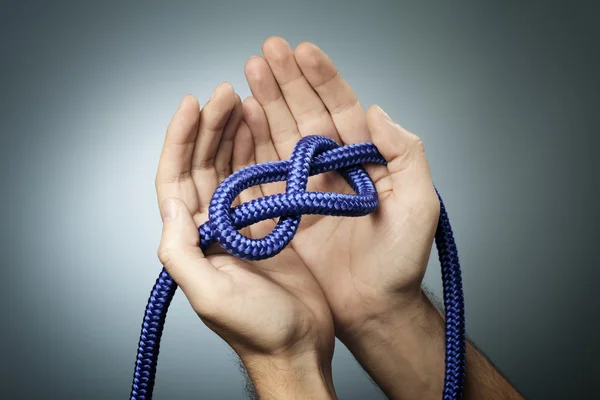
(312, 155)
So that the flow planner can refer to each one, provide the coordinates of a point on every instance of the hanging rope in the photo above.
(312, 155)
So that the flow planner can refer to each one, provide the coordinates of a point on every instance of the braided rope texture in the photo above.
(312, 155)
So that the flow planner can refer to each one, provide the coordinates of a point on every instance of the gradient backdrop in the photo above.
(503, 96)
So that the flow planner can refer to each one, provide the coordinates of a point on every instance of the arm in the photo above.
(278, 323)
(289, 378)
(403, 352)
(370, 268)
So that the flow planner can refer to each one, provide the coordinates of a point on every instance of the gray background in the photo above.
(502, 96)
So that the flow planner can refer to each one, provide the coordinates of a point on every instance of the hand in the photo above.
(368, 267)
(272, 312)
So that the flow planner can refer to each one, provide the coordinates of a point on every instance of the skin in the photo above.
(301, 93)
(370, 268)
(358, 277)
(272, 313)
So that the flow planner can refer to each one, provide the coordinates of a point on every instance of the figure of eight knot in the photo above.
(312, 155)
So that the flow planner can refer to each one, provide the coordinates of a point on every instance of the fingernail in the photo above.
(384, 113)
(387, 119)
(168, 210)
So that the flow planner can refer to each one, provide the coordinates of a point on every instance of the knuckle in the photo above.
(416, 141)
(347, 106)
(165, 253)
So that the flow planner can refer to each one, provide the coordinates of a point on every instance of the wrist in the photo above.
(290, 377)
(396, 316)
(402, 349)
(378, 311)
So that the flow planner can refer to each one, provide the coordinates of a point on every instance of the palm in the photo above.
(301, 93)
(274, 300)
(353, 248)
(242, 299)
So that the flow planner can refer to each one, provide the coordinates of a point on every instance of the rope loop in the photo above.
(311, 155)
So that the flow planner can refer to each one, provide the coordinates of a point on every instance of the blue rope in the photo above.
(312, 155)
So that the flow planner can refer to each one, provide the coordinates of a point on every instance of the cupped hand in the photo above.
(272, 309)
(368, 266)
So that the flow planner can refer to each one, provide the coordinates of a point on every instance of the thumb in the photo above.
(402, 149)
(397, 145)
(180, 254)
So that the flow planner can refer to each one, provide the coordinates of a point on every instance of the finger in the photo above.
(176, 157)
(243, 151)
(264, 148)
(225, 149)
(243, 156)
(407, 167)
(264, 151)
(213, 118)
(264, 88)
(183, 259)
(312, 118)
(243, 148)
(347, 113)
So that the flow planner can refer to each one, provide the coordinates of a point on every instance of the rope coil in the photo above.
(312, 155)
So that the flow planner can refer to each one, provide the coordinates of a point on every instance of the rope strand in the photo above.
(312, 155)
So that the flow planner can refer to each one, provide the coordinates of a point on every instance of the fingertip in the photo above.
(235, 116)
(385, 135)
(309, 55)
(273, 39)
(189, 104)
(393, 141)
(172, 208)
(237, 112)
(228, 92)
(237, 100)
(375, 113)
(276, 49)
(373, 116)
(250, 99)
(217, 113)
(247, 100)
(168, 209)
(179, 228)
(189, 100)
(249, 107)
(253, 66)
(226, 86)
(377, 117)
(306, 47)
(181, 127)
